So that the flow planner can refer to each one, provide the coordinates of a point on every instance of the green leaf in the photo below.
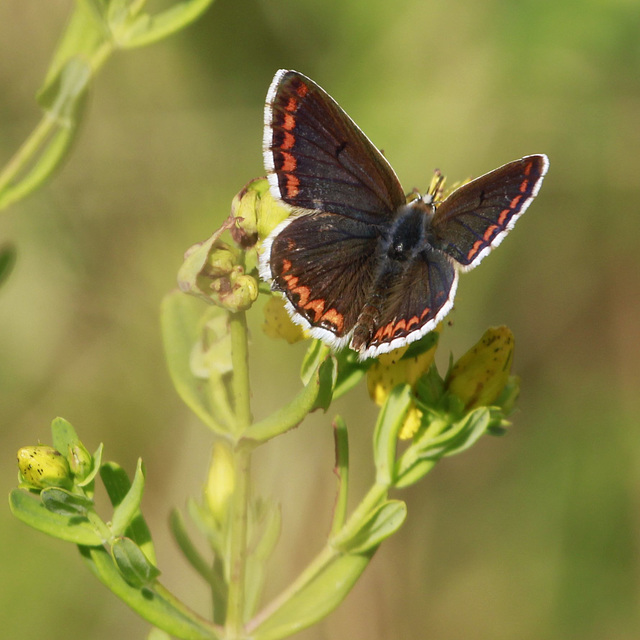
(422, 455)
(129, 507)
(147, 29)
(84, 35)
(62, 99)
(411, 474)
(266, 527)
(314, 355)
(326, 381)
(341, 469)
(350, 371)
(384, 521)
(315, 393)
(64, 435)
(320, 595)
(50, 158)
(181, 317)
(385, 437)
(132, 563)
(421, 346)
(30, 510)
(189, 550)
(7, 261)
(65, 503)
(156, 605)
(118, 486)
(97, 462)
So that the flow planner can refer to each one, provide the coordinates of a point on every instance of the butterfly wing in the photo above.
(324, 265)
(317, 158)
(406, 304)
(476, 217)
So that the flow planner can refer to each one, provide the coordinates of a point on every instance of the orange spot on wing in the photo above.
(412, 321)
(289, 163)
(401, 325)
(286, 265)
(292, 105)
(292, 281)
(289, 123)
(304, 294)
(423, 314)
(523, 187)
(288, 142)
(388, 331)
(488, 234)
(476, 247)
(292, 185)
(302, 90)
(527, 169)
(335, 318)
(503, 215)
(317, 306)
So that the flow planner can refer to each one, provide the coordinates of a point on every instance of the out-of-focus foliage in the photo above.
(535, 536)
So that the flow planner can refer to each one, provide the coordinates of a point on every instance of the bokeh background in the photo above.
(535, 535)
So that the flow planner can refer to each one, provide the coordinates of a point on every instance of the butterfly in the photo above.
(358, 262)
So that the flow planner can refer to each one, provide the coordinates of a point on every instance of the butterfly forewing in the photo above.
(476, 217)
(317, 157)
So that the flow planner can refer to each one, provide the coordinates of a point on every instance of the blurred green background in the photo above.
(535, 535)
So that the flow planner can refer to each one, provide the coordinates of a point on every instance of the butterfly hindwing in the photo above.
(324, 265)
(317, 157)
(408, 304)
(476, 217)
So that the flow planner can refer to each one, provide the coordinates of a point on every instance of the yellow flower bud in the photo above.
(390, 370)
(481, 374)
(80, 461)
(221, 481)
(411, 424)
(278, 324)
(42, 466)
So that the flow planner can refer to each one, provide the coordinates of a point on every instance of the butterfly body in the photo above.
(357, 263)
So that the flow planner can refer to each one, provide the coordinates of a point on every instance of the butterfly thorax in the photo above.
(408, 234)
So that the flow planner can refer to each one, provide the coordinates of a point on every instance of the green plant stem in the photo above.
(234, 622)
(27, 150)
(240, 380)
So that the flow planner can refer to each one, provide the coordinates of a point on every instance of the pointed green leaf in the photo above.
(385, 437)
(147, 29)
(189, 550)
(181, 317)
(129, 506)
(341, 470)
(314, 355)
(326, 382)
(65, 503)
(320, 595)
(384, 521)
(132, 563)
(30, 510)
(421, 346)
(350, 371)
(50, 158)
(292, 414)
(156, 605)
(97, 462)
(84, 35)
(118, 487)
